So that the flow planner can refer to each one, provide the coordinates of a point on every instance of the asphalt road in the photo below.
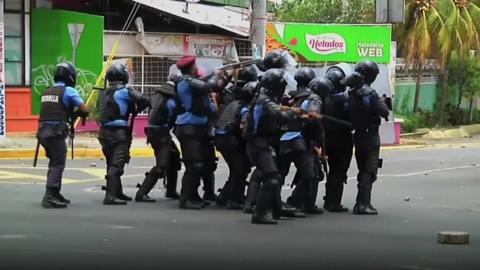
(419, 193)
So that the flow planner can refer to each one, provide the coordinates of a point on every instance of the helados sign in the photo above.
(331, 42)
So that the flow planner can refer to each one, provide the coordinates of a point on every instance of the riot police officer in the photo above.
(366, 109)
(244, 76)
(339, 140)
(229, 142)
(192, 126)
(117, 104)
(297, 147)
(262, 128)
(161, 119)
(57, 109)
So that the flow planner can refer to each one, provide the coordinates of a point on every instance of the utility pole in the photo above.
(258, 21)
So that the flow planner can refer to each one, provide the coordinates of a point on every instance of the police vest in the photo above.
(200, 102)
(362, 108)
(230, 118)
(266, 125)
(108, 107)
(335, 107)
(158, 113)
(52, 107)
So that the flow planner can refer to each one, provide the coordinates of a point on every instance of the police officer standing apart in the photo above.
(339, 140)
(229, 142)
(366, 109)
(263, 122)
(116, 105)
(57, 109)
(195, 107)
(161, 119)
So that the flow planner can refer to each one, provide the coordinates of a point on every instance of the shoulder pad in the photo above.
(166, 89)
(366, 90)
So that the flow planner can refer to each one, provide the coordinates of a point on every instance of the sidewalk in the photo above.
(22, 146)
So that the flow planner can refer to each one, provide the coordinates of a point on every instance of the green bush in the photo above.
(414, 121)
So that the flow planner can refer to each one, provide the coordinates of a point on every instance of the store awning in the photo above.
(232, 19)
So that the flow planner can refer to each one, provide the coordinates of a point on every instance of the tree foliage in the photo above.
(326, 11)
(464, 77)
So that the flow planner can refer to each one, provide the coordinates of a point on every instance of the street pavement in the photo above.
(419, 193)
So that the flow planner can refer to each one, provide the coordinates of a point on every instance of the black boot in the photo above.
(232, 205)
(369, 203)
(209, 188)
(252, 192)
(261, 217)
(111, 192)
(334, 207)
(147, 185)
(60, 197)
(290, 211)
(223, 194)
(363, 203)
(192, 205)
(120, 194)
(362, 209)
(171, 193)
(51, 201)
(313, 210)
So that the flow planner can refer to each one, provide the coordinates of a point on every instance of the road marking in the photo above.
(430, 171)
(121, 227)
(13, 236)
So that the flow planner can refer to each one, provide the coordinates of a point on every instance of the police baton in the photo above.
(35, 158)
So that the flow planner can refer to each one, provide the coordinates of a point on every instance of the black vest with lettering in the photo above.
(108, 107)
(52, 107)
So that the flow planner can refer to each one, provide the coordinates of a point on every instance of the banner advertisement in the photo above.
(179, 45)
(331, 42)
(210, 46)
(3, 124)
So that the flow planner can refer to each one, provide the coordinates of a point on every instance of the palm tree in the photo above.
(460, 33)
(417, 34)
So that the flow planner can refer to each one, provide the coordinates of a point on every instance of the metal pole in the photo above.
(258, 27)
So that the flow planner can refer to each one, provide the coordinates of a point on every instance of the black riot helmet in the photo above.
(247, 74)
(274, 82)
(65, 72)
(117, 73)
(304, 76)
(274, 59)
(322, 87)
(368, 69)
(336, 75)
(247, 92)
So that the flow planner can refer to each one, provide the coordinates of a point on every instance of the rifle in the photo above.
(239, 64)
(317, 116)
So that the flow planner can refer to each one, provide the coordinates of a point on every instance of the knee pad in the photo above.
(273, 181)
(196, 167)
(115, 171)
(157, 171)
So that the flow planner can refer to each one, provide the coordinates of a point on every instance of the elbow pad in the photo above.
(199, 86)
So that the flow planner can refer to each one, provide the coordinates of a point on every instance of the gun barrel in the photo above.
(238, 65)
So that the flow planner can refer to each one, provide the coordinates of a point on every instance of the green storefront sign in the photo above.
(59, 35)
(332, 42)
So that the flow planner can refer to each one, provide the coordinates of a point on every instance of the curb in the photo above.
(78, 153)
(84, 153)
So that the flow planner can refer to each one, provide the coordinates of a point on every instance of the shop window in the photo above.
(14, 5)
(14, 48)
